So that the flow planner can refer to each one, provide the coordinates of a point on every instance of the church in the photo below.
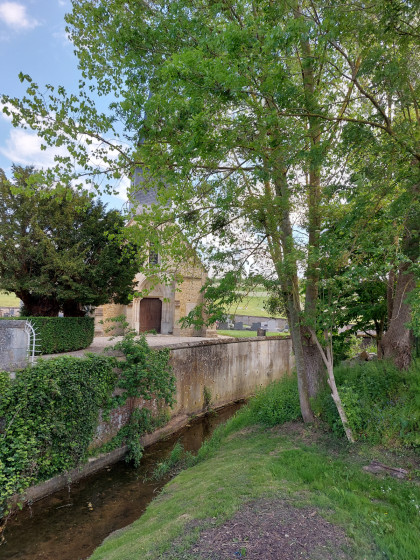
(164, 305)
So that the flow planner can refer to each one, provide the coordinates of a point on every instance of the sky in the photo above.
(33, 41)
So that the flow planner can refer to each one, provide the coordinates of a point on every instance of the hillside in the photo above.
(9, 300)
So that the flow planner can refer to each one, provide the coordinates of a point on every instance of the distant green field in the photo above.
(9, 300)
(252, 304)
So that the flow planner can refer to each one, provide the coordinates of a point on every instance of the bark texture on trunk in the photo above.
(397, 342)
(314, 365)
(288, 278)
(296, 334)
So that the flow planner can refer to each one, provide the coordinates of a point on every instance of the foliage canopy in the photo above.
(59, 249)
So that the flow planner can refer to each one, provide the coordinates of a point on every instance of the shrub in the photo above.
(381, 402)
(62, 334)
(276, 404)
(49, 415)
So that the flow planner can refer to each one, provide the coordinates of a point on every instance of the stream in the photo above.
(71, 523)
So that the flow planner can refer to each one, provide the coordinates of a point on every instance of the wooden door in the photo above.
(150, 314)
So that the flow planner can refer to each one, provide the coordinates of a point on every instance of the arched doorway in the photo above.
(150, 314)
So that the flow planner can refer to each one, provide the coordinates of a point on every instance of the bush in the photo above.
(62, 334)
(49, 414)
(276, 404)
(381, 402)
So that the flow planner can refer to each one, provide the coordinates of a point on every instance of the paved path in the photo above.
(100, 343)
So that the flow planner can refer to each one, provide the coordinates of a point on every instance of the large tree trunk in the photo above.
(287, 275)
(296, 335)
(72, 309)
(397, 342)
(315, 370)
(39, 306)
(314, 365)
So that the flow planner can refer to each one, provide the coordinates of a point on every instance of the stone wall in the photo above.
(272, 324)
(178, 299)
(14, 345)
(224, 370)
(103, 314)
(185, 301)
(230, 370)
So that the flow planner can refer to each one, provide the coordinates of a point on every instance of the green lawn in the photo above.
(9, 300)
(253, 305)
(244, 334)
(296, 465)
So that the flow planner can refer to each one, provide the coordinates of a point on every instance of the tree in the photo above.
(61, 249)
(249, 103)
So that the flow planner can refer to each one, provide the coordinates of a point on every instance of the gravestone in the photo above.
(255, 326)
(223, 326)
(261, 332)
(239, 326)
(14, 345)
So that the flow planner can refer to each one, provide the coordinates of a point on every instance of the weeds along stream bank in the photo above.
(264, 464)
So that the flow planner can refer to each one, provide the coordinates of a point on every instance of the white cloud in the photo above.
(14, 15)
(24, 148)
(62, 37)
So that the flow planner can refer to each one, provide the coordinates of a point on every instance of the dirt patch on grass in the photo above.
(307, 434)
(272, 530)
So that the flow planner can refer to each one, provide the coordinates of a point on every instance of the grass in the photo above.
(244, 334)
(9, 300)
(245, 461)
(252, 304)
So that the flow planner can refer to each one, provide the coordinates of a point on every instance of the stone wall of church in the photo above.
(186, 300)
(103, 314)
(177, 299)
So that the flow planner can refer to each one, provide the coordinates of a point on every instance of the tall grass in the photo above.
(382, 403)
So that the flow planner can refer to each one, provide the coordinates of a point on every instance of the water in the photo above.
(71, 523)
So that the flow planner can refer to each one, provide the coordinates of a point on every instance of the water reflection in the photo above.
(71, 523)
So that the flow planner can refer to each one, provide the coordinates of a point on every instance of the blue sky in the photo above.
(33, 41)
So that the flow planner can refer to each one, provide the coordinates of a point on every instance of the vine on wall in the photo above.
(49, 413)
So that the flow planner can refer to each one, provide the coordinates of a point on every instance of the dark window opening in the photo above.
(153, 257)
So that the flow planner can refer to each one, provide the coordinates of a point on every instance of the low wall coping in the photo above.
(227, 340)
(12, 324)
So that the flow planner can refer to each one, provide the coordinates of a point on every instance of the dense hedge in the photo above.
(48, 415)
(49, 412)
(61, 334)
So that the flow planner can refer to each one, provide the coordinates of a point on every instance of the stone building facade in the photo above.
(162, 308)
(164, 305)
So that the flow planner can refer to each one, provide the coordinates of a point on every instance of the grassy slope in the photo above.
(380, 516)
(252, 304)
(9, 300)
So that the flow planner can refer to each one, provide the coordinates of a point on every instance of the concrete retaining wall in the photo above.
(222, 370)
(14, 345)
(272, 324)
(225, 370)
